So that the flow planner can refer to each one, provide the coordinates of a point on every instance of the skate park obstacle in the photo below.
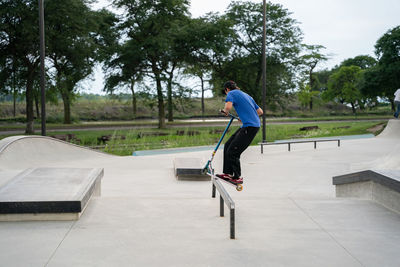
(315, 141)
(49, 194)
(381, 186)
(224, 198)
(191, 169)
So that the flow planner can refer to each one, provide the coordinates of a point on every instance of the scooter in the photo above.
(208, 168)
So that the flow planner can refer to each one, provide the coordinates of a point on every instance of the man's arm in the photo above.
(260, 111)
(227, 108)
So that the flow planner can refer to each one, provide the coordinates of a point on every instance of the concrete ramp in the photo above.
(391, 160)
(22, 152)
(392, 130)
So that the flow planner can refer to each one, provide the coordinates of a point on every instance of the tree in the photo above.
(207, 41)
(381, 78)
(72, 45)
(387, 49)
(11, 82)
(323, 76)
(343, 86)
(150, 25)
(309, 60)
(370, 85)
(122, 62)
(176, 53)
(306, 94)
(199, 71)
(363, 61)
(244, 62)
(124, 69)
(19, 46)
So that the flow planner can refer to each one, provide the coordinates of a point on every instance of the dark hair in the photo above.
(231, 85)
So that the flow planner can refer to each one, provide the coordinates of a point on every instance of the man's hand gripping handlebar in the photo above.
(229, 114)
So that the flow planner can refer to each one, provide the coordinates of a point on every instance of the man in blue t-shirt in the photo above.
(248, 112)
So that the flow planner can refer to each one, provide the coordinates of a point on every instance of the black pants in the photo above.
(235, 146)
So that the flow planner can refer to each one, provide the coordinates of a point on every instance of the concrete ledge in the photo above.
(380, 186)
(49, 193)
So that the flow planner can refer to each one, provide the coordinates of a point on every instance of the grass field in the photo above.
(125, 142)
(91, 115)
(109, 109)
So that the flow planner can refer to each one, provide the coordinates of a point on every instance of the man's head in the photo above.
(229, 86)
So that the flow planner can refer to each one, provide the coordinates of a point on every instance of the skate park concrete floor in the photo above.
(286, 215)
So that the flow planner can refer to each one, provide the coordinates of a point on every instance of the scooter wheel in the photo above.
(239, 187)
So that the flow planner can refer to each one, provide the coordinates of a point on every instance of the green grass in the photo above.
(144, 139)
(207, 136)
(154, 122)
(101, 109)
(291, 131)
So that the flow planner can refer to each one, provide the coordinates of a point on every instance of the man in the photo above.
(397, 103)
(248, 112)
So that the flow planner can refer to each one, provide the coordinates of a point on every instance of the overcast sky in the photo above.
(347, 28)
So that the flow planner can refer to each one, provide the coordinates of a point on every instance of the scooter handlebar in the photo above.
(229, 114)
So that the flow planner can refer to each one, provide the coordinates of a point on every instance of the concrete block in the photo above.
(190, 169)
(386, 196)
(382, 186)
(49, 193)
(361, 190)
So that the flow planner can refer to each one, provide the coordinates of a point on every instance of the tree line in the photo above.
(360, 82)
(151, 46)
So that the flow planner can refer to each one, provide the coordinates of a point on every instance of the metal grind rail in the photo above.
(224, 198)
(216, 184)
(262, 144)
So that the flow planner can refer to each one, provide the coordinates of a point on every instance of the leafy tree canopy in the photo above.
(244, 61)
(343, 86)
(387, 49)
(362, 61)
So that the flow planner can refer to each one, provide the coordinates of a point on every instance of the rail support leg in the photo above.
(338, 143)
(262, 149)
(213, 191)
(315, 144)
(232, 224)
(221, 206)
(224, 198)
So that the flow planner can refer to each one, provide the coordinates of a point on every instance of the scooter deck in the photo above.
(238, 186)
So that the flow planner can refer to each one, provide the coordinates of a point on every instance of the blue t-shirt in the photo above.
(245, 107)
